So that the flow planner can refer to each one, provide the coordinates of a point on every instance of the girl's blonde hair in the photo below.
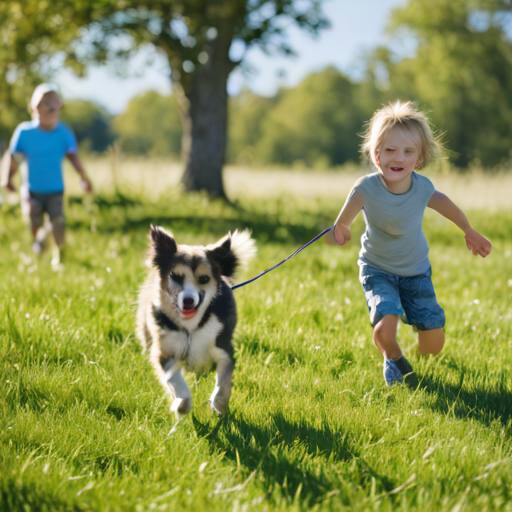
(409, 118)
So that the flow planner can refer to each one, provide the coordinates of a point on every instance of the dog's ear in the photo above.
(163, 249)
(223, 256)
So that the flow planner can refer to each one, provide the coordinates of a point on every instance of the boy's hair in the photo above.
(409, 118)
(40, 91)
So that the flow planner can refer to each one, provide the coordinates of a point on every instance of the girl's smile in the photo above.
(398, 156)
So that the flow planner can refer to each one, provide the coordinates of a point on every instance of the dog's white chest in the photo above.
(197, 349)
(201, 354)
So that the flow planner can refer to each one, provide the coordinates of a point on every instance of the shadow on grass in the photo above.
(30, 494)
(291, 459)
(124, 213)
(463, 400)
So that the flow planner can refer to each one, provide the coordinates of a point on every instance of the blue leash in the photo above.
(286, 259)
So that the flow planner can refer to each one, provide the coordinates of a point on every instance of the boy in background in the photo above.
(44, 142)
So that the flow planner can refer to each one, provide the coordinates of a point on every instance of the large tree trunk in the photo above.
(203, 99)
(205, 133)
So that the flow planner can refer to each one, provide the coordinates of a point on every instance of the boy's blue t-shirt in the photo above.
(44, 151)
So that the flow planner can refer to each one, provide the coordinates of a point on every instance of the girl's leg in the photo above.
(384, 336)
(430, 342)
(396, 368)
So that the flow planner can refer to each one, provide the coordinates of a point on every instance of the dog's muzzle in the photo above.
(191, 304)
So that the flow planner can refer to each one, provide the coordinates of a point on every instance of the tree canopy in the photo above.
(197, 37)
(150, 125)
(90, 123)
(458, 66)
(454, 58)
(315, 123)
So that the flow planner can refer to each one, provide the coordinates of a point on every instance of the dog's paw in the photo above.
(182, 406)
(220, 405)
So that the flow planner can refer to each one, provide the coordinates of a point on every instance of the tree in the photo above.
(150, 125)
(460, 69)
(195, 35)
(316, 122)
(90, 123)
(247, 113)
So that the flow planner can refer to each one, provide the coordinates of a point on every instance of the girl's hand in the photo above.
(342, 234)
(478, 243)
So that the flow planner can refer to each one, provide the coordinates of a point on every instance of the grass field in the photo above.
(84, 425)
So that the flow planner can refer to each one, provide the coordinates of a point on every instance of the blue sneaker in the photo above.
(392, 375)
(407, 372)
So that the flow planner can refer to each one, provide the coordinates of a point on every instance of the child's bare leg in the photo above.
(384, 336)
(396, 368)
(58, 231)
(430, 342)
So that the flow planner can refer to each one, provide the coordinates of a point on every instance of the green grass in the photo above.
(84, 424)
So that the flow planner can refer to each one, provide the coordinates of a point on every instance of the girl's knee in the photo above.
(385, 329)
(431, 342)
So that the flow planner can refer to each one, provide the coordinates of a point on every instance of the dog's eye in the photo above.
(177, 278)
(204, 279)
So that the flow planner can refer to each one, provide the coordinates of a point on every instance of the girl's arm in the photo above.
(73, 158)
(353, 205)
(447, 208)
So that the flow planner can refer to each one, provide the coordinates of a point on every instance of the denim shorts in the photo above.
(411, 298)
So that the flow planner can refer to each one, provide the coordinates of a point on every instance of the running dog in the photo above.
(187, 312)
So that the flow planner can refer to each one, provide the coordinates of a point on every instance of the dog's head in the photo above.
(192, 275)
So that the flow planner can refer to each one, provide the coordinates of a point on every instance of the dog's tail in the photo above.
(243, 247)
(233, 252)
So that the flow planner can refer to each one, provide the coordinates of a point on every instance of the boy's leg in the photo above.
(55, 211)
(431, 341)
(35, 208)
(58, 231)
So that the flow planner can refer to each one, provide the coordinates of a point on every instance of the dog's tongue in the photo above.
(189, 313)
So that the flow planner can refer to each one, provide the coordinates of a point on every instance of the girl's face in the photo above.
(398, 156)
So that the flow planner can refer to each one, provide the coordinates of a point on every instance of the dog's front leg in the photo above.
(222, 392)
(182, 397)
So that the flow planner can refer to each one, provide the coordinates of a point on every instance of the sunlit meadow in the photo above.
(84, 425)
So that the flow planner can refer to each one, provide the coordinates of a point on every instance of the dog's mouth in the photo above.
(188, 311)
(189, 308)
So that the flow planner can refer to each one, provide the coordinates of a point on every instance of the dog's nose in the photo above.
(188, 302)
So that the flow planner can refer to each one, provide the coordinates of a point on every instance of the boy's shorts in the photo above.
(411, 298)
(38, 204)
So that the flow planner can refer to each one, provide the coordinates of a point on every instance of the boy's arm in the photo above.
(353, 205)
(447, 208)
(8, 169)
(75, 161)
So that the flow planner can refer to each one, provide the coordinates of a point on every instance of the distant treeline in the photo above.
(315, 124)
(453, 58)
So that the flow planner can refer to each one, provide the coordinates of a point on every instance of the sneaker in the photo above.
(392, 374)
(407, 372)
(37, 248)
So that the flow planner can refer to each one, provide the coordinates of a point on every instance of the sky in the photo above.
(357, 26)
